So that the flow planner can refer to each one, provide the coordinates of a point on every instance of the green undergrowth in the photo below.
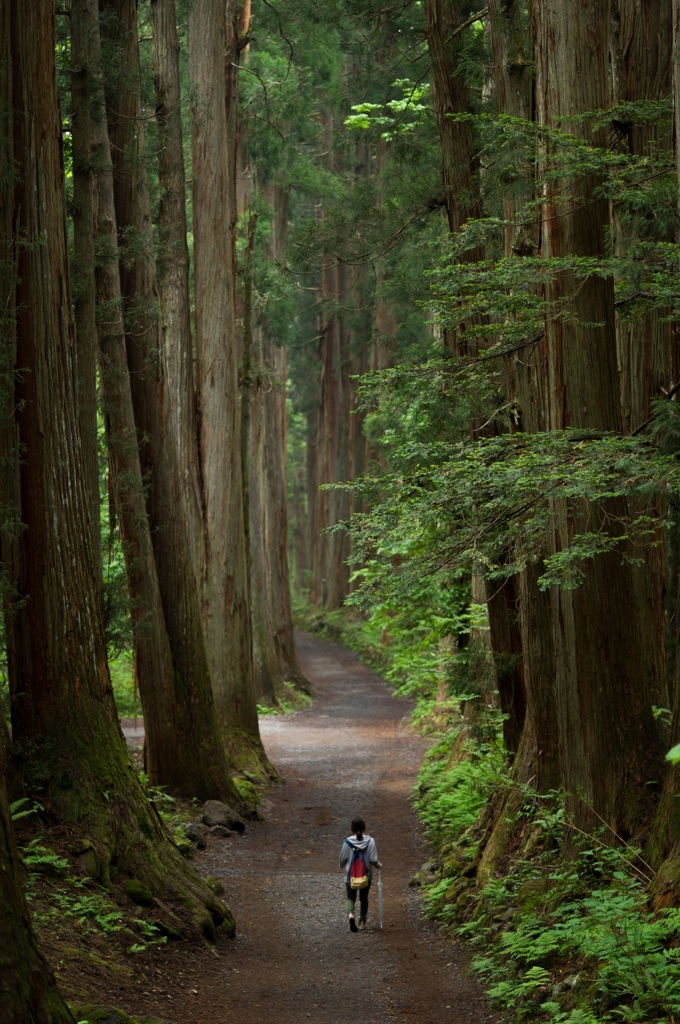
(70, 910)
(558, 939)
(89, 930)
(452, 791)
(288, 700)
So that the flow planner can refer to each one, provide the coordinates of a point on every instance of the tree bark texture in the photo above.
(641, 52)
(268, 514)
(152, 651)
(9, 441)
(335, 404)
(213, 52)
(175, 687)
(173, 265)
(521, 631)
(316, 509)
(606, 665)
(443, 19)
(641, 63)
(28, 991)
(86, 84)
(664, 844)
(332, 455)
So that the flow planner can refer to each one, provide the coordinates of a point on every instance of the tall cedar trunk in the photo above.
(213, 52)
(301, 532)
(275, 655)
(152, 652)
(536, 757)
(645, 345)
(179, 702)
(521, 630)
(85, 82)
(28, 991)
(334, 398)
(336, 411)
(664, 846)
(255, 387)
(173, 268)
(62, 702)
(607, 667)
(9, 440)
(362, 336)
(384, 331)
(443, 20)
(641, 63)
(275, 363)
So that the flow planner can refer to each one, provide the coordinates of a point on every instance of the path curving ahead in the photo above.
(294, 957)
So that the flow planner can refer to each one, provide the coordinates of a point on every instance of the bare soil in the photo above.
(294, 957)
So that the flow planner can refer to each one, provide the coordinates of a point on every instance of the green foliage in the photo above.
(673, 754)
(397, 116)
(19, 810)
(486, 505)
(453, 789)
(419, 634)
(625, 956)
(561, 939)
(41, 859)
(125, 692)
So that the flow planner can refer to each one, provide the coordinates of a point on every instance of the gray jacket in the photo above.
(367, 844)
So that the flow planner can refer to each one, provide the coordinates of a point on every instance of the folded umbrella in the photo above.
(380, 901)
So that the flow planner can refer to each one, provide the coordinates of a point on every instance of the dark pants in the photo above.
(363, 900)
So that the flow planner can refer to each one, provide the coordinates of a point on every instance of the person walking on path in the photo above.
(358, 871)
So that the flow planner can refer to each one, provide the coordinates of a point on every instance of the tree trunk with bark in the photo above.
(331, 574)
(28, 991)
(521, 627)
(663, 848)
(179, 702)
(176, 349)
(213, 54)
(278, 663)
(444, 19)
(607, 667)
(10, 500)
(641, 71)
(316, 510)
(86, 83)
(62, 702)
(335, 405)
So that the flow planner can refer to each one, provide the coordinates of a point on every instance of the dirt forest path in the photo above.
(294, 957)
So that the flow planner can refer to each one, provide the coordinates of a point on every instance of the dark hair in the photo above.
(358, 827)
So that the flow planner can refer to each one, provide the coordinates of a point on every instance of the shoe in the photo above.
(362, 925)
(352, 923)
